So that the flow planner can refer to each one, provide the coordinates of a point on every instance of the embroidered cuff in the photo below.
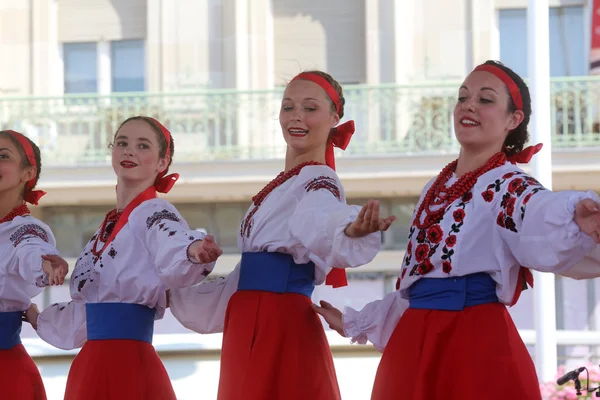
(187, 252)
(352, 323)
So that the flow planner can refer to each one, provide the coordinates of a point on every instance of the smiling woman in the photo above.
(29, 262)
(141, 248)
(298, 232)
(478, 228)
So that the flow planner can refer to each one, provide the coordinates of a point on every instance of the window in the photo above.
(567, 43)
(128, 66)
(81, 70)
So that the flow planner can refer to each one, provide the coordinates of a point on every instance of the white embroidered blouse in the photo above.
(306, 217)
(146, 257)
(506, 221)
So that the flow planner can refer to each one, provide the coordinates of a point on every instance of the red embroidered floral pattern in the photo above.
(428, 242)
(28, 231)
(323, 182)
(518, 183)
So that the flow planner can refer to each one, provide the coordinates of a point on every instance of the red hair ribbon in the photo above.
(340, 137)
(525, 155)
(164, 184)
(30, 196)
(525, 275)
(513, 89)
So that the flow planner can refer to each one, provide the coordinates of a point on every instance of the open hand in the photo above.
(332, 316)
(55, 267)
(368, 221)
(204, 251)
(587, 217)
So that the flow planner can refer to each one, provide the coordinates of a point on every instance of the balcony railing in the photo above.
(230, 124)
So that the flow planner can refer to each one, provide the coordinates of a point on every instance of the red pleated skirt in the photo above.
(118, 369)
(472, 354)
(274, 347)
(19, 376)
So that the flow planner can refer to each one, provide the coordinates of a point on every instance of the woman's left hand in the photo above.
(587, 217)
(55, 267)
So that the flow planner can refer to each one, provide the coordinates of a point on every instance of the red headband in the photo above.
(340, 137)
(163, 184)
(30, 196)
(342, 134)
(513, 89)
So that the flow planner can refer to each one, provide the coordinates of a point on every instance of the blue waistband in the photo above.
(453, 294)
(276, 272)
(119, 321)
(10, 329)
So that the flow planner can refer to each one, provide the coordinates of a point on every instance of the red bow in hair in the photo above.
(33, 196)
(525, 155)
(340, 138)
(164, 184)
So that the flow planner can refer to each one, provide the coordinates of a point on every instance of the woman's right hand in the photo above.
(332, 316)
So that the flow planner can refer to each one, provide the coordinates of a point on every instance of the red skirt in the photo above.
(274, 347)
(19, 377)
(472, 354)
(118, 369)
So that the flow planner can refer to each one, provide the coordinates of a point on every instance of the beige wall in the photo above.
(254, 44)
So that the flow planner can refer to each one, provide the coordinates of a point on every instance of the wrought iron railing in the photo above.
(230, 124)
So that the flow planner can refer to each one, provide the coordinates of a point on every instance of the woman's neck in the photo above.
(10, 200)
(127, 191)
(469, 161)
(293, 159)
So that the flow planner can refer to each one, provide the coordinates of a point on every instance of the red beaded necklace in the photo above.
(439, 195)
(260, 196)
(111, 218)
(16, 212)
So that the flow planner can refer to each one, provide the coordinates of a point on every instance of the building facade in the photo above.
(213, 72)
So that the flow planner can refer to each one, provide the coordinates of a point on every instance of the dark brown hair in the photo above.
(518, 137)
(24, 160)
(162, 142)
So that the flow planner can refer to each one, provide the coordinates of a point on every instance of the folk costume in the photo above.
(24, 239)
(274, 344)
(118, 290)
(446, 332)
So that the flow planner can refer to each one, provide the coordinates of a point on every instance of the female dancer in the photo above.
(298, 227)
(478, 227)
(30, 261)
(142, 248)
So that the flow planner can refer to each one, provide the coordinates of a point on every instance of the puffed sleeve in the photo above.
(202, 307)
(588, 268)
(537, 224)
(167, 238)
(320, 218)
(376, 321)
(63, 325)
(32, 241)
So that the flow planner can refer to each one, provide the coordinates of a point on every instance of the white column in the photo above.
(56, 67)
(373, 33)
(242, 45)
(104, 68)
(539, 83)
(405, 30)
(371, 103)
(243, 72)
